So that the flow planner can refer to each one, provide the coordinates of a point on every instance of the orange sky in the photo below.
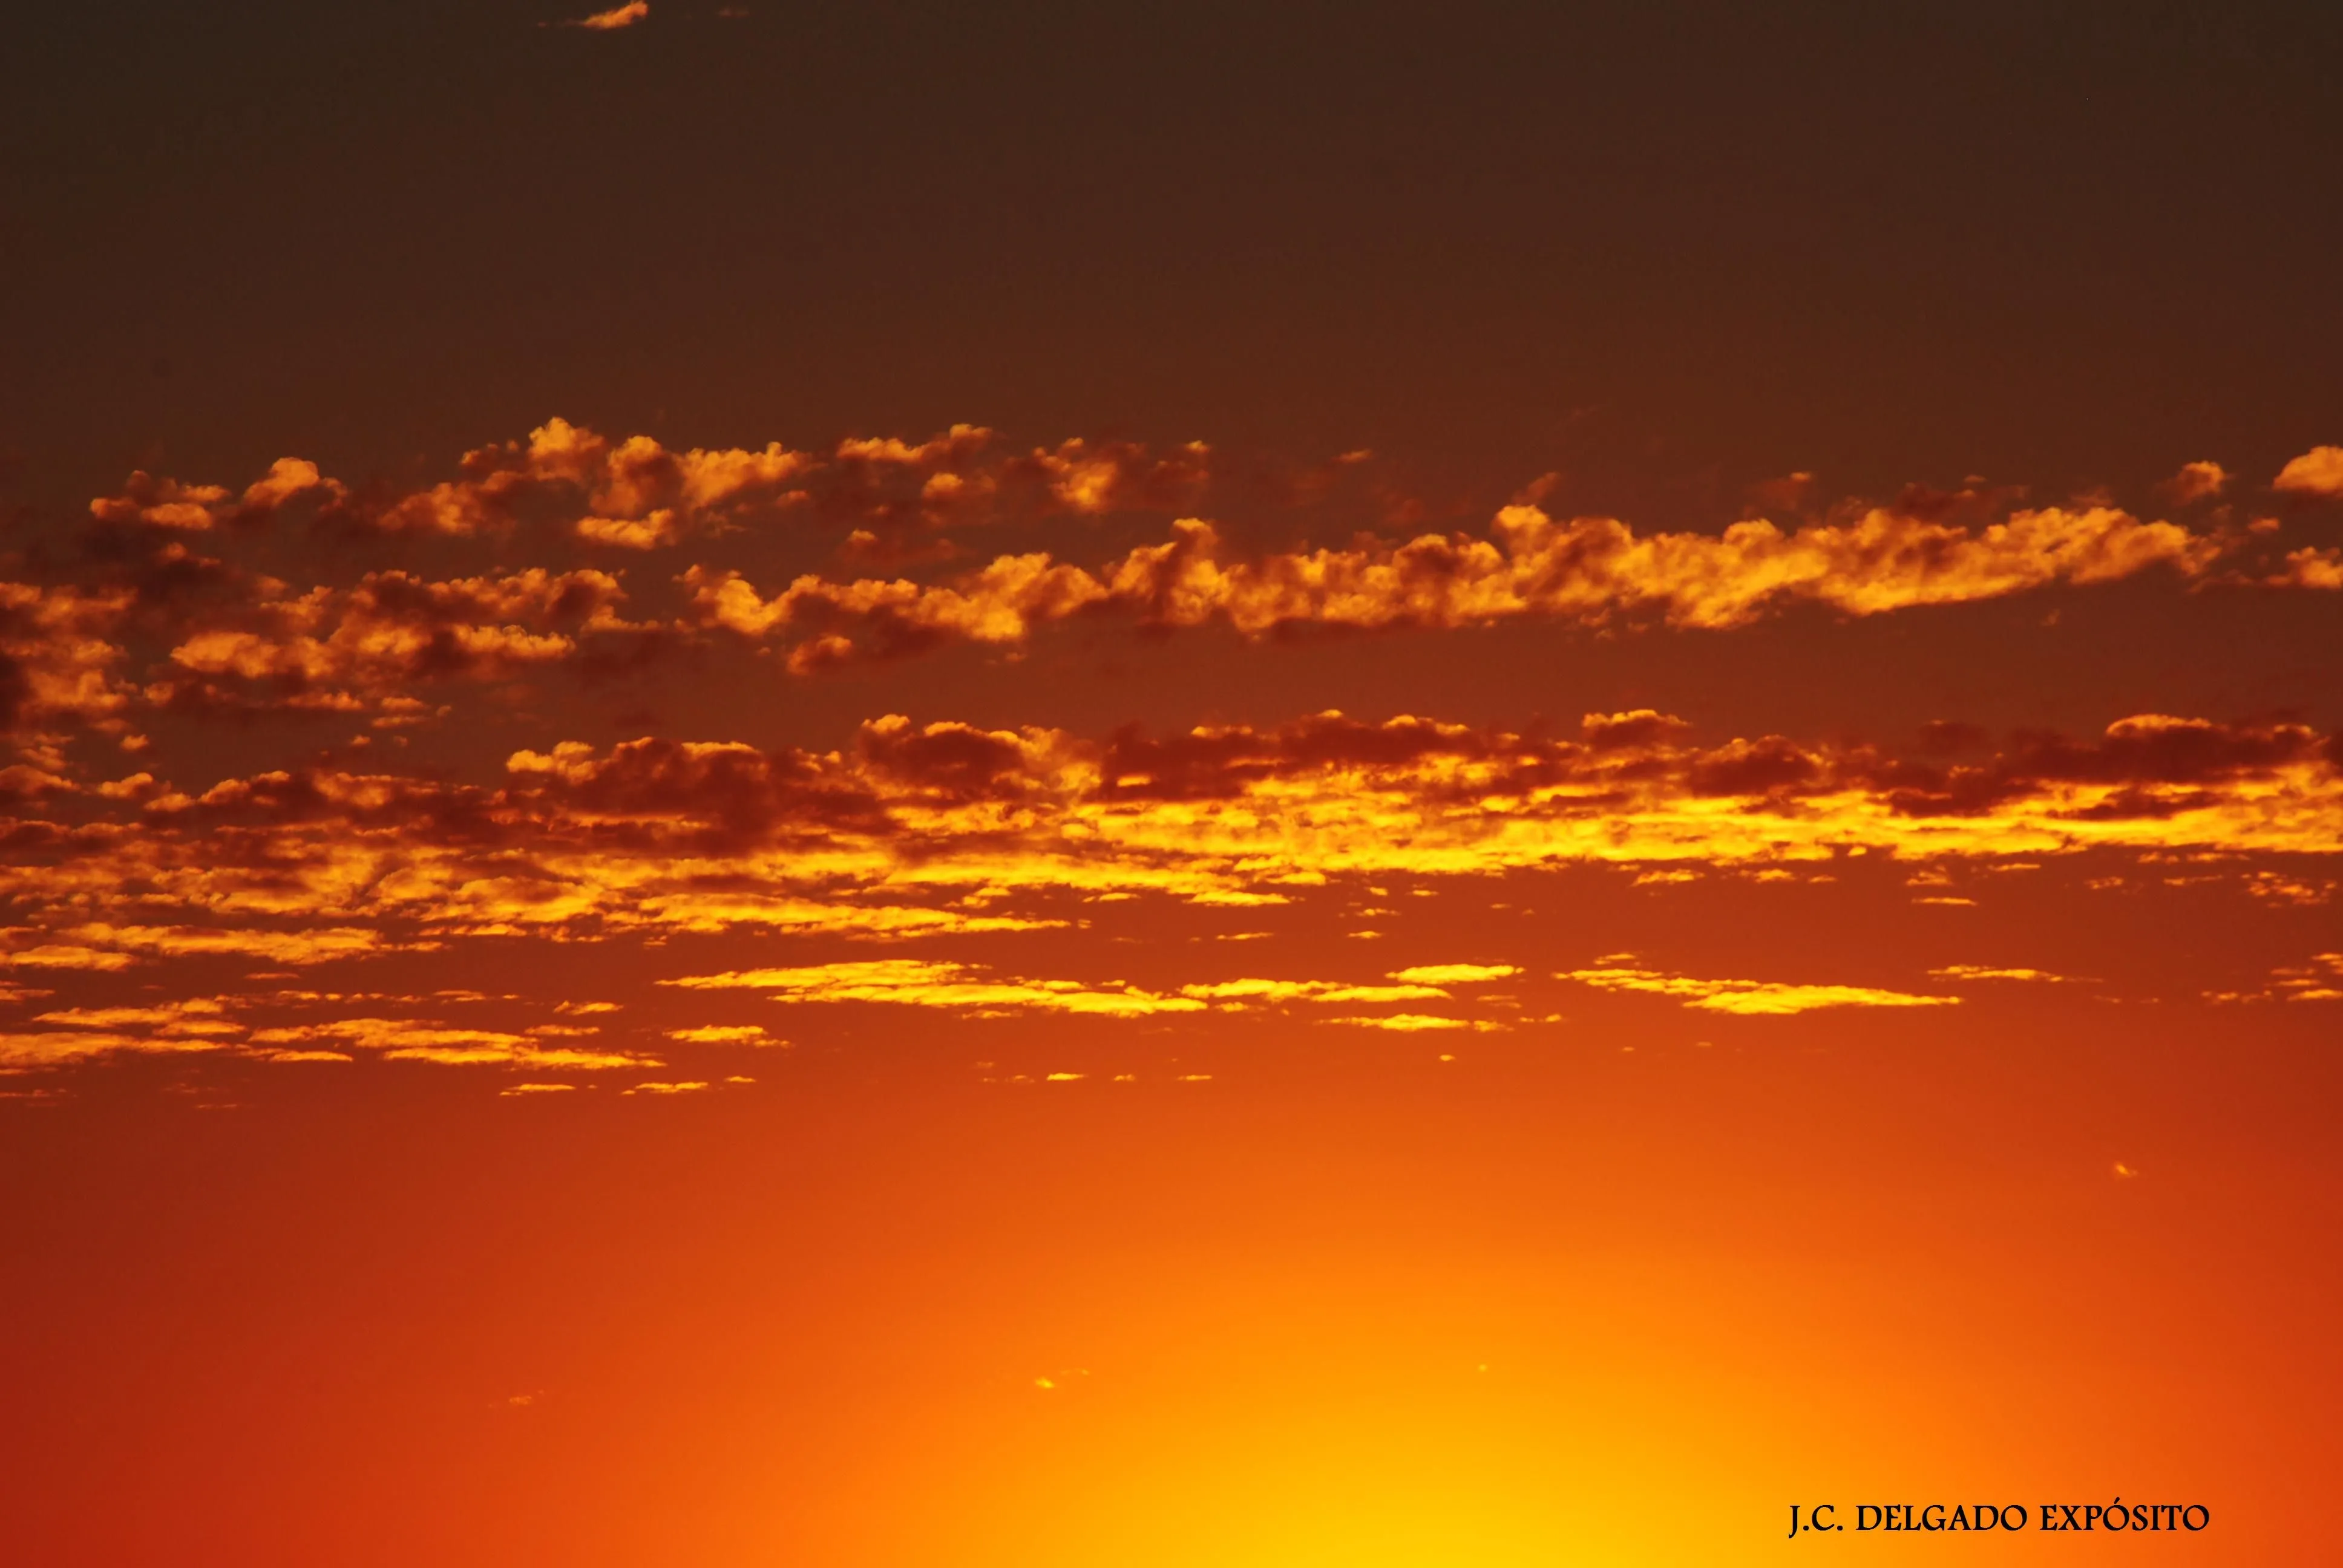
(1495, 904)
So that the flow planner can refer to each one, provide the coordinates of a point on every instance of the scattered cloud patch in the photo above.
(1279, 990)
(2317, 472)
(918, 982)
(419, 1039)
(1992, 973)
(615, 18)
(2196, 482)
(1747, 997)
(1455, 974)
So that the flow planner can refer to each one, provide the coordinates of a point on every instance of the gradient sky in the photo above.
(1343, 785)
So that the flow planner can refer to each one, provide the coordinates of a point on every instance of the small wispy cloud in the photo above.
(613, 19)
(1455, 974)
(1996, 972)
(723, 1034)
(1748, 997)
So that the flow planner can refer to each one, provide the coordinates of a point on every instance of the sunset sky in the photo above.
(1129, 786)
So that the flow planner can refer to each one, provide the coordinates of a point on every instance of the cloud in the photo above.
(64, 1047)
(66, 955)
(2277, 887)
(570, 483)
(148, 503)
(1455, 974)
(2317, 472)
(725, 1034)
(2311, 568)
(1277, 990)
(1989, 972)
(59, 658)
(1747, 997)
(142, 625)
(424, 1039)
(618, 16)
(1590, 571)
(919, 982)
(193, 1017)
(2318, 980)
(950, 829)
(963, 478)
(365, 648)
(692, 1086)
(1414, 1022)
(697, 911)
(301, 947)
(85, 1033)
(2195, 482)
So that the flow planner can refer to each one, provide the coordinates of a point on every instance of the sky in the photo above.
(1342, 785)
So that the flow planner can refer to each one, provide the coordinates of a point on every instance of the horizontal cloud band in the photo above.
(1589, 569)
(141, 620)
(934, 829)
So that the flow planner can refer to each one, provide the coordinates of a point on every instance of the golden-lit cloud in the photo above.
(1588, 570)
(66, 956)
(415, 1040)
(1748, 998)
(1282, 990)
(166, 612)
(364, 649)
(60, 1048)
(1992, 973)
(2319, 979)
(144, 623)
(568, 481)
(310, 946)
(1455, 974)
(921, 831)
(2281, 888)
(146, 501)
(57, 659)
(907, 832)
(2311, 566)
(1414, 1022)
(2317, 472)
(2195, 482)
(919, 982)
(191, 1017)
(85, 1033)
(618, 16)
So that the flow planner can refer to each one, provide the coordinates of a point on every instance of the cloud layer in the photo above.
(944, 828)
(592, 555)
(1590, 571)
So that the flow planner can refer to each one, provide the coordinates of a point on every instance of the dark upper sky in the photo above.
(1665, 249)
